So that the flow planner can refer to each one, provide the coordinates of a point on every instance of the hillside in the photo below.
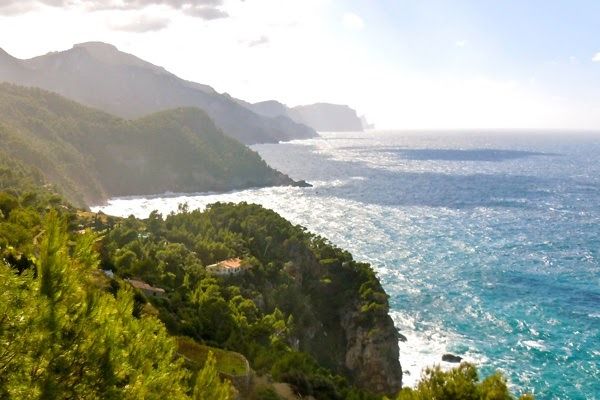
(90, 155)
(99, 75)
(304, 314)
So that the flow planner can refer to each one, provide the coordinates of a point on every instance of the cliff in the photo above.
(372, 352)
(327, 117)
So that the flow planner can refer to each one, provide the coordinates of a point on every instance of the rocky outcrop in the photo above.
(372, 354)
(451, 358)
(345, 320)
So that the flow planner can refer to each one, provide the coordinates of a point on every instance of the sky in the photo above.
(407, 64)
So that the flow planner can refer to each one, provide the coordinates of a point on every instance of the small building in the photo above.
(146, 288)
(232, 266)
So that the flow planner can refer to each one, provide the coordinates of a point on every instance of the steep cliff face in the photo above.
(346, 322)
(372, 353)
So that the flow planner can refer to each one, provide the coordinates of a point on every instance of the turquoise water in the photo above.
(488, 243)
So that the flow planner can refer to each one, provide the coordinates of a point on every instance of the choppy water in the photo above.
(488, 243)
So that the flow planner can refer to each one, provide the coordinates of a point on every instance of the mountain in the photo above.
(328, 117)
(271, 108)
(99, 75)
(91, 155)
(319, 116)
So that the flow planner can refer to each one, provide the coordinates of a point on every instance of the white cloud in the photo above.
(207, 13)
(309, 57)
(353, 21)
(204, 9)
(596, 57)
(460, 43)
(259, 41)
(141, 24)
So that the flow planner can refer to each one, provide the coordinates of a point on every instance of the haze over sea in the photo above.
(488, 243)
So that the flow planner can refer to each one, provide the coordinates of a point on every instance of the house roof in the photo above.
(230, 263)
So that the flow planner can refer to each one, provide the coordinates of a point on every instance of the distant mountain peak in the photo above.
(97, 46)
(98, 74)
(5, 55)
(111, 55)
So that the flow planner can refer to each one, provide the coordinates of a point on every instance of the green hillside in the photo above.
(69, 331)
(90, 155)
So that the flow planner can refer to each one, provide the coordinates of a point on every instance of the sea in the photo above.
(487, 242)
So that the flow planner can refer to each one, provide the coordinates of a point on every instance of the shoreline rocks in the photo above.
(451, 358)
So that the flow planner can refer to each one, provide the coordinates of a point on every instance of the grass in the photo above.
(228, 362)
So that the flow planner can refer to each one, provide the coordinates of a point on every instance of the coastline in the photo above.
(421, 350)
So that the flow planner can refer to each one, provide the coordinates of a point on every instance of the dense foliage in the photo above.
(63, 335)
(459, 383)
(90, 155)
(68, 331)
(280, 313)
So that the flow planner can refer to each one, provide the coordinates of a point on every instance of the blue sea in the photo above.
(488, 243)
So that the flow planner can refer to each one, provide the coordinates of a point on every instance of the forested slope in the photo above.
(91, 155)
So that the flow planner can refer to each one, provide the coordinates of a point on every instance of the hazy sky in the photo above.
(403, 63)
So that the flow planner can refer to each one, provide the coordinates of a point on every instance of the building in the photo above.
(146, 288)
(232, 266)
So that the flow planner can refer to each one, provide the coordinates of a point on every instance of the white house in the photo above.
(228, 267)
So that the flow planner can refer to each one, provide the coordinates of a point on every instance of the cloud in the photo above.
(8, 8)
(141, 24)
(353, 21)
(596, 57)
(206, 13)
(204, 9)
(461, 43)
(258, 42)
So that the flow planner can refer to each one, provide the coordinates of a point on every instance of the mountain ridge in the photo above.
(98, 75)
(92, 155)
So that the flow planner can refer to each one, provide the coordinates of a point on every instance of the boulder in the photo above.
(451, 358)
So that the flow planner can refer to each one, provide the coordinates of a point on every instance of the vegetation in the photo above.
(90, 155)
(226, 362)
(459, 383)
(267, 313)
(69, 331)
(64, 337)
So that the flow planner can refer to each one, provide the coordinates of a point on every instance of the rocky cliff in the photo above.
(347, 326)
(327, 117)
(372, 352)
